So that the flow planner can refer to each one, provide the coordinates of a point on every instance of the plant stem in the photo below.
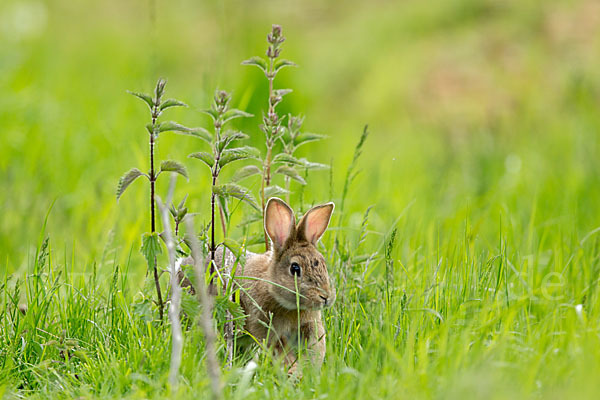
(213, 196)
(212, 225)
(152, 181)
(152, 213)
(266, 181)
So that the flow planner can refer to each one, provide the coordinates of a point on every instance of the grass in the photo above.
(482, 165)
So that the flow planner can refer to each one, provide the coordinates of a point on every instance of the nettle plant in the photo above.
(275, 131)
(151, 247)
(222, 154)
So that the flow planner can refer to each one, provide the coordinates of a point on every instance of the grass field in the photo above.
(476, 272)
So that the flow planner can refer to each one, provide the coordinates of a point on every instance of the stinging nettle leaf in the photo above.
(150, 247)
(257, 61)
(144, 97)
(238, 153)
(255, 239)
(282, 63)
(213, 113)
(235, 113)
(160, 88)
(290, 172)
(274, 191)
(127, 179)
(287, 159)
(171, 126)
(253, 217)
(173, 166)
(207, 158)
(198, 132)
(233, 245)
(313, 166)
(304, 138)
(245, 172)
(229, 137)
(171, 103)
(236, 191)
(282, 92)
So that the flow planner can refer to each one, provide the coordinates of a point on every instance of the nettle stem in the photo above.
(213, 197)
(155, 113)
(271, 131)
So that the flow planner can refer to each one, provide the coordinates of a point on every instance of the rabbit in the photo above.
(269, 296)
(267, 280)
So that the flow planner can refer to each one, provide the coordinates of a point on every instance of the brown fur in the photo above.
(269, 298)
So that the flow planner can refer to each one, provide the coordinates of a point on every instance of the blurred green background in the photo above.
(476, 108)
(484, 153)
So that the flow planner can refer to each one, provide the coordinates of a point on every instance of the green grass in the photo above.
(482, 163)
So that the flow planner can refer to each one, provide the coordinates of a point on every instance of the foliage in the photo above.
(150, 243)
(483, 154)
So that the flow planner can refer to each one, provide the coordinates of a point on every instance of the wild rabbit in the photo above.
(269, 296)
(268, 283)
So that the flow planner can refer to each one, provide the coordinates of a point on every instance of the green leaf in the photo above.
(237, 192)
(360, 259)
(304, 138)
(199, 133)
(173, 166)
(142, 310)
(255, 239)
(160, 88)
(207, 158)
(127, 179)
(245, 172)
(189, 304)
(144, 97)
(313, 166)
(171, 126)
(171, 103)
(233, 245)
(213, 113)
(284, 158)
(282, 63)
(182, 203)
(253, 217)
(275, 191)
(229, 137)
(238, 153)
(290, 172)
(282, 92)
(150, 247)
(174, 127)
(235, 113)
(257, 61)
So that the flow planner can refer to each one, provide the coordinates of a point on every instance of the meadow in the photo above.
(466, 254)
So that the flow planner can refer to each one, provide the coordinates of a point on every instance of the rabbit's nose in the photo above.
(328, 300)
(325, 300)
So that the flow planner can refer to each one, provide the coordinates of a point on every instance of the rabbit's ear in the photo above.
(280, 223)
(314, 223)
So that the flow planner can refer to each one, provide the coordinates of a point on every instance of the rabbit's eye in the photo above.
(295, 269)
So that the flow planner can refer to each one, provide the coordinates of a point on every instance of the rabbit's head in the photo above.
(296, 258)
